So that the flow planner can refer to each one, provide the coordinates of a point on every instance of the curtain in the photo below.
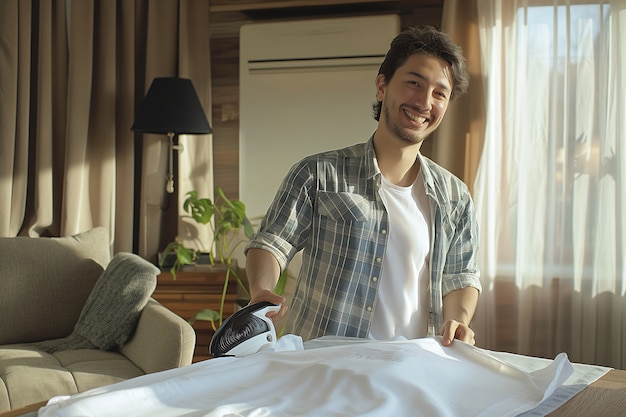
(458, 143)
(550, 188)
(72, 75)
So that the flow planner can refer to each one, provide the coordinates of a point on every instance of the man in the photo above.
(389, 238)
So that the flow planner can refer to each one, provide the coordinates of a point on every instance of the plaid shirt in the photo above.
(329, 206)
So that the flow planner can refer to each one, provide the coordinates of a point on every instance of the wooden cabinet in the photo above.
(192, 291)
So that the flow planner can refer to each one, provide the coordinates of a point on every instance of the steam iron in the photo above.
(245, 332)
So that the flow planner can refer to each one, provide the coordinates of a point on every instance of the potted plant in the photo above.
(226, 218)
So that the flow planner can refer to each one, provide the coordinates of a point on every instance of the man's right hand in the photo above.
(269, 296)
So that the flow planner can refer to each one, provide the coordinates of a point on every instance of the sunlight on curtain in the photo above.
(550, 188)
(195, 167)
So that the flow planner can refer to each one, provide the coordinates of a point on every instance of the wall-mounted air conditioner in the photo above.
(305, 86)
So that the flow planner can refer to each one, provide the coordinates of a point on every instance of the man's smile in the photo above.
(414, 117)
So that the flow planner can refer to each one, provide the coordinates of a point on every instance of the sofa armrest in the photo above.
(162, 340)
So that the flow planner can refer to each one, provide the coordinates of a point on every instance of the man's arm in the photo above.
(263, 270)
(458, 309)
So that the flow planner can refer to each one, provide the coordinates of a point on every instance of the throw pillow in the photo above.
(113, 308)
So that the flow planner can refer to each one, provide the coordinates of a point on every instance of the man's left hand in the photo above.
(453, 329)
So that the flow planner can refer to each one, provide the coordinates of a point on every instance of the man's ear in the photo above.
(380, 87)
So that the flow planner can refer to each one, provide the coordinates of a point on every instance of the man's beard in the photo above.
(405, 135)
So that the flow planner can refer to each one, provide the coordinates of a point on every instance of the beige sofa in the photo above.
(47, 288)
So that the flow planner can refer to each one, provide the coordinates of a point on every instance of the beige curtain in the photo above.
(459, 140)
(72, 75)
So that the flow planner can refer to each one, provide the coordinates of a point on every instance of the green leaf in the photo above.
(205, 315)
(239, 208)
(171, 247)
(282, 282)
(185, 256)
(248, 228)
(220, 194)
(200, 209)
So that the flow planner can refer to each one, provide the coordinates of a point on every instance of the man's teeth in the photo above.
(418, 119)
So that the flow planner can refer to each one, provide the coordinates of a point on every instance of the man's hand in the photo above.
(453, 329)
(269, 296)
(458, 309)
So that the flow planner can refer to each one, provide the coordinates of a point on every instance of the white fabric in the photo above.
(402, 305)
(374, 378)
(550, 191)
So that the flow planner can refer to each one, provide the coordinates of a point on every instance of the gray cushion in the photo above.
(45, 282)
(113, 308)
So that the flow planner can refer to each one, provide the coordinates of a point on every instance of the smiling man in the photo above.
(389, 238)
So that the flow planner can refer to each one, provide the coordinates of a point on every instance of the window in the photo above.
(551, 188)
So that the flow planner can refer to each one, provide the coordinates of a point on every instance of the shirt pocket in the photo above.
(451, 217)
(346, 207)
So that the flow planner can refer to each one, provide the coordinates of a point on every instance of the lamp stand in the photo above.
(173, 145)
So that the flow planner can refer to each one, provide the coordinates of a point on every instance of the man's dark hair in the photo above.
(425, 40)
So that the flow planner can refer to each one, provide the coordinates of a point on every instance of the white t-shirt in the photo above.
(403, 304)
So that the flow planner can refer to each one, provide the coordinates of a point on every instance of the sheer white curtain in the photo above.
(551, 184)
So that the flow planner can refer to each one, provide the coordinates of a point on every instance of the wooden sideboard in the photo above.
(192, 291)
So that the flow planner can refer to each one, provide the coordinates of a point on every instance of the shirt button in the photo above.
(374, 279)
(378, 259)
(369, 308)
(384, 231)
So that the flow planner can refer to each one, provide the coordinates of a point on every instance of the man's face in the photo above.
(416, 98)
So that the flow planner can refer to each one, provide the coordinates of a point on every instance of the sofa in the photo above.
(73, 318)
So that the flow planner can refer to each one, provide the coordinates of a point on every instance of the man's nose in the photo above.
(423, 100)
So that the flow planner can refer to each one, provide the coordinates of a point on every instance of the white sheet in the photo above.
(417, 377)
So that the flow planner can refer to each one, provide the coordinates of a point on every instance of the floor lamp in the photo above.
(170, 107)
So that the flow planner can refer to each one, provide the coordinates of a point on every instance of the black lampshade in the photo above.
(171, 105)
